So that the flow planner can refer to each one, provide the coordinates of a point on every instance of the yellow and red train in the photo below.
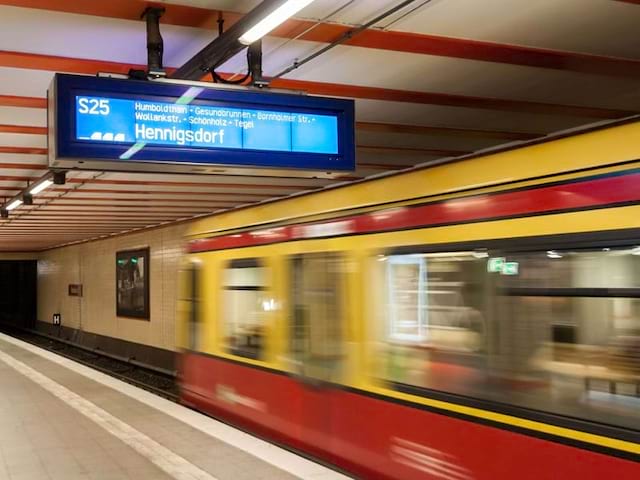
(476, 319)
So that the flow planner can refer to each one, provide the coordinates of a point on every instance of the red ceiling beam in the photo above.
(23, 166)
(159, 183)
(365, 148)
(26, 216)
(27, 102)
(425, 151)
(13, 178)
(444, 131)
(63, 202)
(143, 194)
(410, 151)
(92, 217)
(364, 126)
(383, 166)
(163, 192)
(44, 228)
(98, 181)
(450, 100)
(52, 204)
(10, 225)
(52, 63)
(132, 210)
(47, 230)
(480, 50)
(376, 39)
(23, 129)
(131, 10)
(77, 65)
(24, 150)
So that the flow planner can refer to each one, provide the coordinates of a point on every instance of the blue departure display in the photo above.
(130, 125)
(159, 123)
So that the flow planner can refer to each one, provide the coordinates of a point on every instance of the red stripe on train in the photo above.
(381, 439)
(591, 193)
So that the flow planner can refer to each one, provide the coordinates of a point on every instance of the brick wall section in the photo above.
(92, 264)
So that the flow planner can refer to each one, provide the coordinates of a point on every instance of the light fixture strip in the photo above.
(14, 204)
(271, 21)
(41, 186)
(25, 196)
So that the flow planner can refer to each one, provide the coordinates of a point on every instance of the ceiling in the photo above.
(437, 79)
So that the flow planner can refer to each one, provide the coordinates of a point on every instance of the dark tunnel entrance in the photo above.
(18, 293)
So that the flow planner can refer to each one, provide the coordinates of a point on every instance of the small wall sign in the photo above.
(75, 290)
(57, 318)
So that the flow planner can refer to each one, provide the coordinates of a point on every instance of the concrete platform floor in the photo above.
(60, 420)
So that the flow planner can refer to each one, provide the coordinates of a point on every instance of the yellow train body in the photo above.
(602, 153)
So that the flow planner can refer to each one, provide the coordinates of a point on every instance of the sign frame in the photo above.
(66, 152)
(122, 287)
(75, 290)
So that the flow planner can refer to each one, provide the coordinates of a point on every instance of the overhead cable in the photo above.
(345, 37)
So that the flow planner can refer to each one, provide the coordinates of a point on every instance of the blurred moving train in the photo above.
(476, 319)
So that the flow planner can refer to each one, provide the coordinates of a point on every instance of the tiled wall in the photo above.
(93, 265)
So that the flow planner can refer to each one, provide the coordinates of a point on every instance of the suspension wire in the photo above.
(406, 14)
(344, 37)
(307, 30)
(314, 26)
(231, 81)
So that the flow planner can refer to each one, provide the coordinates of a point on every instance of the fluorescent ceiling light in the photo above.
(41, 186)
(271, 21)
(16, 203)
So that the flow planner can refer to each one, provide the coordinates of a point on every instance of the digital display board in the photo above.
(161, 123)
(148, 125)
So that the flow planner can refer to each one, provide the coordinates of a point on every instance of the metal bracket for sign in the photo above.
(255, 65)
(209, 85)
(155, 44)
(224, 86)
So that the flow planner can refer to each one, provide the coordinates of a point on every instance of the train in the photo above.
(474, 318)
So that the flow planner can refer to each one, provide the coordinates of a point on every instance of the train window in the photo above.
(408, 299)
(553, 330)
(316, 336)
(246, 304)
(566, 269)
(434, 299)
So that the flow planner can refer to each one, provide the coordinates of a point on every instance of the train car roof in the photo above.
(591, 146)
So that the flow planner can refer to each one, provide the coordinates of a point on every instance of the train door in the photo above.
(188, 304)
(317, 341)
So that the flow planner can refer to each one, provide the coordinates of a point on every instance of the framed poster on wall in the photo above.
(132, 283)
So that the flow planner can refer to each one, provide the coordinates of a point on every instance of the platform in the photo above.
(60, 420)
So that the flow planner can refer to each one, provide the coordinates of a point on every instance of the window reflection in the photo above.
(246, 304)
(552, 330)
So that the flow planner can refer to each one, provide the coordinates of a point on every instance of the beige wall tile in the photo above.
(92, 264)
